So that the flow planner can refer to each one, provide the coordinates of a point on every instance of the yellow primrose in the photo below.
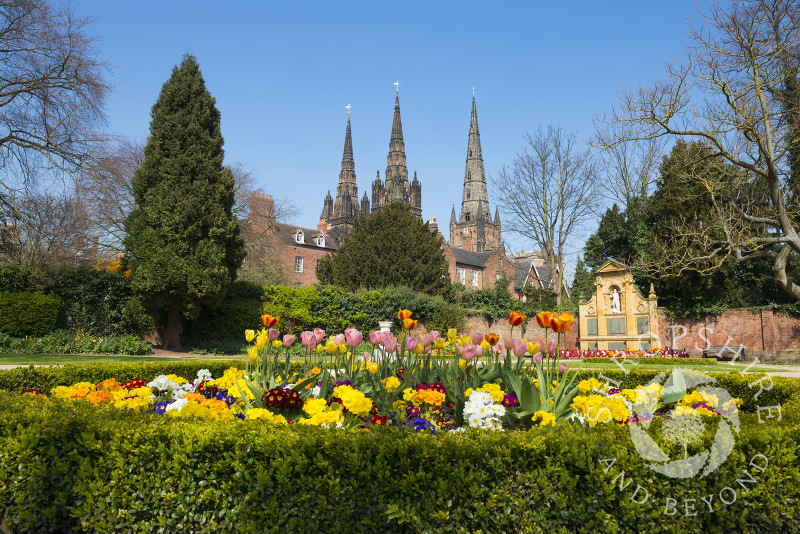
(372, 367)
(249, 335)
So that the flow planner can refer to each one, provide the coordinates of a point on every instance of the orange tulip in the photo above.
(410, 324)
(491, 338)
(543, 318)
(403, 314)
(565, 321)
(516, 318)
(555, 324)
(269, 320)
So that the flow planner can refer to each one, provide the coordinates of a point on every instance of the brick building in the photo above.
(297, 249)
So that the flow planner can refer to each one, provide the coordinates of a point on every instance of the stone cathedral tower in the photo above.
(340, 215)
(474, 230)
(396, 188)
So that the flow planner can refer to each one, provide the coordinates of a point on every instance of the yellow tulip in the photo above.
(277, 343)
(418, 348)
(320, 348)
(465, 339)
(452, 334)
(485, 345)
(463, 364)
(331, 346)
(440, 343)
(253, 353)
(249, 335)
(372, 367)
(260, 341)
(533, 348)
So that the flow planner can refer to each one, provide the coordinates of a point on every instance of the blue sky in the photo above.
(283, 72)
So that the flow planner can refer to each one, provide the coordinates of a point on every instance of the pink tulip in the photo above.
(353, 337)
(390, 345)
(562, 368)
(288, 340)
(470, 351)
(435, 335)
(508, 343)
(425, 340)
(273, 334)
(520, 348)
(339, 338)
(426, 349)
(386, 337)
(307, 338)
(550, 346)
(411, 343)
(375, 337)
(366, 356)
(319, 333)
(536, 358)
(496, 349)
(459, 348)
(477, 337)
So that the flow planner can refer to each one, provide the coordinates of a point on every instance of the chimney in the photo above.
(322, 226)
(262, 211)
(433, 226)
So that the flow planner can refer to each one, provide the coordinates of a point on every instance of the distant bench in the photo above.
(724, 352)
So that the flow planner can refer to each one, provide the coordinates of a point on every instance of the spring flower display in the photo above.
(424, 383)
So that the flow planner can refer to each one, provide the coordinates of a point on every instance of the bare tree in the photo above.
(105, 185)
(629, 170)
(729, 94)
(47, 229)
(51, 92)
(547, 193)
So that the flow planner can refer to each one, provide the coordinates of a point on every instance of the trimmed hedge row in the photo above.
(71, 466)
(28, 314)
(654, 360)
(754, 389)
(63, 342)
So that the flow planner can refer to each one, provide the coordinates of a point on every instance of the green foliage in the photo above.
(28, 314)
(183, 241)
(64, 342)
(98, 303)
(389, 248)
(70, 466)
(583, 284)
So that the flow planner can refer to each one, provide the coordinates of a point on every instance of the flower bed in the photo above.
(652, 353)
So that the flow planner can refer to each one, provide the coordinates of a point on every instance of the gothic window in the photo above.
(466, 216)
(298, 264)
(298, 237)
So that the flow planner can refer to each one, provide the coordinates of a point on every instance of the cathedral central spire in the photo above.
(340, 215)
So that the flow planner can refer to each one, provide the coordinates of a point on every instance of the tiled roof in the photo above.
(286, 234)
(473, 259)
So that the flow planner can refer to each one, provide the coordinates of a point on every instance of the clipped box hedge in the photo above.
(28, 314)
(71, 466)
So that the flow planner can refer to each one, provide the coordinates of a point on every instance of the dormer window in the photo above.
(298, 237)
(321, 240)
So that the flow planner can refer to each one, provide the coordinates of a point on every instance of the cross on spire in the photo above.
(397, 86)
(473, 90)
(348, 109)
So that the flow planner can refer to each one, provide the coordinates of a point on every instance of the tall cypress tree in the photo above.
(183, 241)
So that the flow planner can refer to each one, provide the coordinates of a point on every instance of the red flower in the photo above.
(269, 321)
(516, 318)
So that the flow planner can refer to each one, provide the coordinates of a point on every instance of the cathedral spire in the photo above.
(475, 193)
(396, 171)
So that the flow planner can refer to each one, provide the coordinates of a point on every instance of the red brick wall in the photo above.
(532, 330)
(763, 333)
(310, 255)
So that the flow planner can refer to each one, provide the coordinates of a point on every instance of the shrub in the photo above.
(653, 360)
(69, 466)
(28, 314)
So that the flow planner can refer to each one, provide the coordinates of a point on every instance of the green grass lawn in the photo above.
(77, 359)
(63, 359)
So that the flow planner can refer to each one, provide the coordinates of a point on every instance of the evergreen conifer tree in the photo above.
(183, 243)
(390, 247)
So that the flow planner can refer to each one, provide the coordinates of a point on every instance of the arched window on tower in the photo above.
(466, 215)
(468, 195)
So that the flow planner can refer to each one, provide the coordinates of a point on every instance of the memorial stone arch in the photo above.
(618, 317)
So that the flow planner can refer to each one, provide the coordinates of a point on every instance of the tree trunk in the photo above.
(172, 332)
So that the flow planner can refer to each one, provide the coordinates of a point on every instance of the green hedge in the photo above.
(654, 360)
(71, 466)
(28, 314)
(63, 342)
